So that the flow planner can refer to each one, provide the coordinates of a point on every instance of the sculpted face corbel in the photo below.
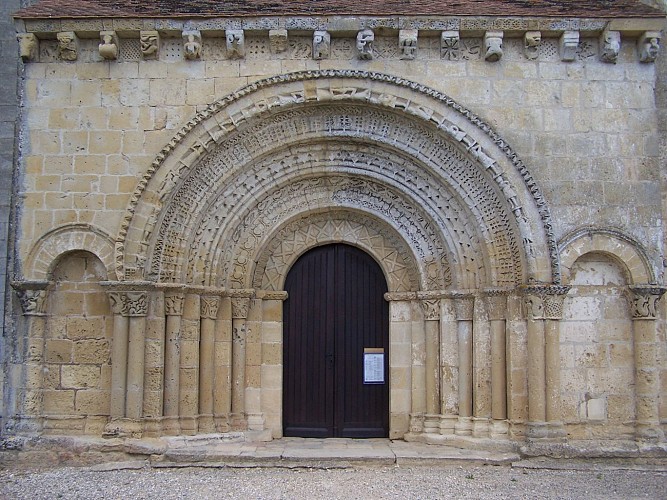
(407, 43)
(493, 44)
(109, 47)
(321, 45)
(648, 46)
(365, 39)
(610, 46)
(531, 44)
(192, 44)
(28, 46)
(235, 44)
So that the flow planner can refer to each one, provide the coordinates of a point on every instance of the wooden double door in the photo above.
(336, 346)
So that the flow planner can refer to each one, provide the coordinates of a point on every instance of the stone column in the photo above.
(209, 312)
(222, 393)
(173, 308)
(647, 377)
(449, 361)
(240, 308)
(118, 354)
(418, 369)
(553, 314)
(537, 412)
(464, 305)
(188, 407)
(33, 298)
(137, 308)
(430, 304)
(496, 305)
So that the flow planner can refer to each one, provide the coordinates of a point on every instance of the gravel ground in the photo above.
(360, 483)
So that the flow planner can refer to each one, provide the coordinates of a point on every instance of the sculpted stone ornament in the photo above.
(235, 44)
(450, 45)
(33, 296)
(531, 44)
(493, 46)
(645, 301)
(567, 45)
(132, 304)
(192, 44)
(648, 46)
(278, 40)
(209, 306)
(173, 304)
(68, 46)
(321, 45)
(28, 46)
(150, 44)
(109, 47)
(365, 39)
(610, 46)
(407, 43)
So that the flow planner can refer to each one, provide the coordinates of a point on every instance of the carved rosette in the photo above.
(32, 296)
(450, 45)
(496, 303)
(464, 306)
(644, 302)
(131, 304)
(173, 303)
(209, 306)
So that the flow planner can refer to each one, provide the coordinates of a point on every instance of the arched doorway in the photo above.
(336, 322)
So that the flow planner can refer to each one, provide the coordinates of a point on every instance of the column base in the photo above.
(447, 424)
(222, 423)
(649, 433)
(255, 421)
(188, 425)
(432, 424)
(123, 427)
(463, 427)
(546, 431)
(416, 423)
(206, 424)
(480, 427)
(238, 422)
(171, 426)
(499, 429)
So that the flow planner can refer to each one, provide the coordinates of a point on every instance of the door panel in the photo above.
(335, 309)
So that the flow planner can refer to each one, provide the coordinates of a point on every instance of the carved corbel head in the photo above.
(278, 40)
(321, 45)
(109, 46)
(610, 46)
(192, 44)
(493, 46)
(365, 39)
(28, 46)
(648, 46)
(531, 44)
(407, 43)
(68, 45)
(235, 44)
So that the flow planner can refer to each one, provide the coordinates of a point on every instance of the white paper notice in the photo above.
(373, 368)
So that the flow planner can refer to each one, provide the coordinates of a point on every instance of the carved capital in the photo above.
(68, 45)
(209, 306)
(496, 303)
(644, 302)
(544, 301)
(493, 46)
(407, 43)
(450, 45)
(365, 39)
(131, 304)
(109, 47)
(240, 304)
(173, 303)
(464, 306)
(531, 44)
(321, 45)
(235, 44)
(192, 44)
(32, 296)
(567, 45)
(278, 40)
(431, 308)
(610, 46)
(648, 46)
(150, 44)
(28, 46)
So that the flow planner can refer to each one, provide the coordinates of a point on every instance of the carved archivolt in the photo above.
(220, 164)
(74, 237)
(611, 242)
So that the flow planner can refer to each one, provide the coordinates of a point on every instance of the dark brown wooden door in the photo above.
(335, 310)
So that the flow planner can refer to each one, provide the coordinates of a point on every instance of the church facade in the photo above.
(444, 228)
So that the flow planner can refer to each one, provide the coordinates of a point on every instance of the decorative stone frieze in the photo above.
(567, 45)
(130, 304)
(493, 46)
(644, 304)
(192, 44)
(531, 44)
(278, 40)
(648, 46)
(235, 44)
(407, 43)
(28, 46)
(321, 45)
(365, 39)
(68, 45)
(150, 44)
(209, 306)
(610, 46)
(108, 49)
(450, 45)
(32, 296)
(173, 303)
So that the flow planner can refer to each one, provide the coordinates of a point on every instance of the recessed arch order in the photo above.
(446, 201)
